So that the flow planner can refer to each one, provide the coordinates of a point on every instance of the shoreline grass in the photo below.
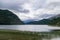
(25, 35)
(17, 35)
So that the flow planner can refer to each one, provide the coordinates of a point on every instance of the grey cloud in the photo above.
(39, 4)
(13, 5)
(53, 5)
(46, 15)
(43, 16)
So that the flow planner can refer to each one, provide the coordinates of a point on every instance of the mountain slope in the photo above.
(40, 22)
(55, 20)
(8, 18)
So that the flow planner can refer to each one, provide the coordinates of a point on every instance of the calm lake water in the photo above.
(34, 28)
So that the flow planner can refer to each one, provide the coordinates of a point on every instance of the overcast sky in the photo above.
(32, 9)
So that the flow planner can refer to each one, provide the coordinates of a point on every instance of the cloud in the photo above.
(32, 9)
(13, 5)
(39, 8)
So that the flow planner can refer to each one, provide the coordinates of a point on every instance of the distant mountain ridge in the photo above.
(9, 18)
(40, 22)
(55, 20)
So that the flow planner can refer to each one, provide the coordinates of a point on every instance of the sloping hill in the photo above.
(55, 20)
(8, 18)
(40, 22)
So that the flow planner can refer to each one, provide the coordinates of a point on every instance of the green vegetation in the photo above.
(9, 18)
(23, 35)
(56, 32)
(20, 35)
(17, 35)
(55, 21)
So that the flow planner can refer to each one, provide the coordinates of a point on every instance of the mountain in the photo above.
(55, 20)
(45, 19)
(40, 22)
(9, 18)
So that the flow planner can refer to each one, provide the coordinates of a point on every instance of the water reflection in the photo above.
(52, 38)
(36, 28)
(53, 35)
(42, 32)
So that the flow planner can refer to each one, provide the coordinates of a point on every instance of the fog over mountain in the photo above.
(32, 9)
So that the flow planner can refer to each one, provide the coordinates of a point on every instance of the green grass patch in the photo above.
(25, 35)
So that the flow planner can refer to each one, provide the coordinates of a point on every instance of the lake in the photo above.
(33, 28)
